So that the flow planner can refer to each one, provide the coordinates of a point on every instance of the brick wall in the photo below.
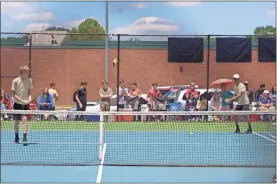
(68, 67)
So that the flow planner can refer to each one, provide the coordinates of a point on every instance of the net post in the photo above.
(101, 132)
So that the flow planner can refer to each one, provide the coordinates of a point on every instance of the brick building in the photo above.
(143, 62)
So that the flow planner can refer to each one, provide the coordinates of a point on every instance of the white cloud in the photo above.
(270, 13)
(10, 8)
(36, 27)
(47, 16)
(152, 25)
(140, 6)
(183, 4)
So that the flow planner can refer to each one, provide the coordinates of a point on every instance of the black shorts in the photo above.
(242, 107)
(19, 107)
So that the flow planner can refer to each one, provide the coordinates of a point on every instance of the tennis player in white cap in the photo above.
(243, 102)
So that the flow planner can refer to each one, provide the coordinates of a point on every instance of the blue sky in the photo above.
(142, 17)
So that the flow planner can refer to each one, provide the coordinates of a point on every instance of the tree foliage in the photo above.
(267, 30)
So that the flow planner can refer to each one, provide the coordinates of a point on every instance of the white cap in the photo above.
(266, 92)
(236, 76)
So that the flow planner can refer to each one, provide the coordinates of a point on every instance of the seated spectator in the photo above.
(191, 104)
(216, 103)
(265, 103)
(273, 95)
(202, 106)
(45, 100)
(123, 93)
(5, 103)
(259, 92)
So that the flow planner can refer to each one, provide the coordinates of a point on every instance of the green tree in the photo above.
(57, 29)
(90, 27)
(261, 30)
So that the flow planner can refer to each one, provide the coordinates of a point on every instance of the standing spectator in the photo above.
(5, 103)
(250, 92)
(273, 95)
(135, 93)
(105, 93)
(225, 94)
(53, 91)
(81, 99)
(152, 94)
(259, 92)
(21, 89)
(192, 90)
(45, 101)
(123, 93)
(243, 102)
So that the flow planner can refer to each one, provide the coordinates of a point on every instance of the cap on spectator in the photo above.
(245, 82)
(236, 76)
(192, 84)
(24, 68)
(266, 92)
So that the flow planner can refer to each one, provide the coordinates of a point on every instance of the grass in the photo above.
(140, 126)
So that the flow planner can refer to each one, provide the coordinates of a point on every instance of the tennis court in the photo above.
(64, 151)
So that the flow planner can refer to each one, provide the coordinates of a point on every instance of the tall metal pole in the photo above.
(118, 66)
(107, 43)
(208, 68)
(30, 55)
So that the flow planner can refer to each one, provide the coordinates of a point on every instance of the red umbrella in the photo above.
(221, 81)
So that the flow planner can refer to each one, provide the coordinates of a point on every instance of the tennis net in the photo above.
(195, 139)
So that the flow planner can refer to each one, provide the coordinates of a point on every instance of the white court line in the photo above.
(134, 143)
(264, 137)
(100, 169)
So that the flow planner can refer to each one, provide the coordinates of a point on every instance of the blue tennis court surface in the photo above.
(144, 148)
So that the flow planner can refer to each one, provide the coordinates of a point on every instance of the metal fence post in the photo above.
(118, 66)
(30, 55)
(208, 68)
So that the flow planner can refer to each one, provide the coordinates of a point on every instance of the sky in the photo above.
(141, 17)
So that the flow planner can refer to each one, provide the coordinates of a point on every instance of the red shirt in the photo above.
(135, 92)
(196, 93)
(152, 93)
(6, 101)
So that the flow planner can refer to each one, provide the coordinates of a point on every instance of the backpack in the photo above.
(74, 96)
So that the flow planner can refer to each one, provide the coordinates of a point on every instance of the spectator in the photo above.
(193, 91)
(152, 94)
(273, 95)
(202, 106)
(216, 101)
(45, 100)
(266, 104)
(225, 94)
(81, 99)
(191, 104)
(105, 94)
(250, 92)
(259, 92)
(53, 91)
(123, 93)
(135, 92)
(5, 104)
